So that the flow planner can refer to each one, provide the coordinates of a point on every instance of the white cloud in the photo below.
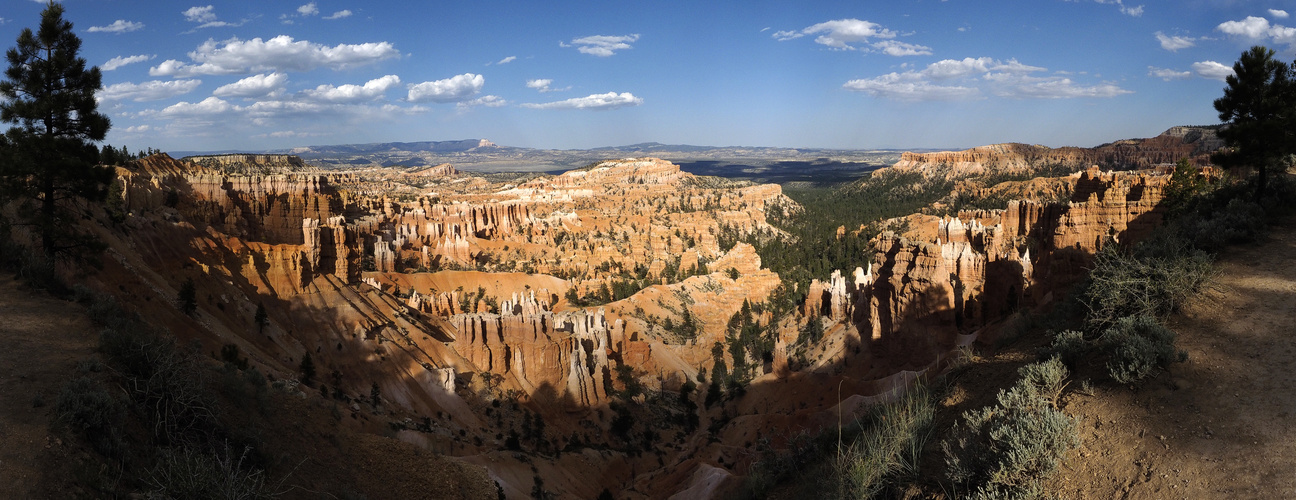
(507, 60)
(899, 49)
(339, 15)
(119, 26)
(490, 101)
(207, 17)
(137, 129)
(602, 45)
(208, 106)
(289, 134)
(308, 10)
(973, 78)
(1124, 9)
(454, 89)
(1168, 74)
(910, 86)
(1257, 28)
(148, 91)
(1012, 66)
(856, 34)
(1173, 43)
(389, 109)
(1022, 86)
(1251, 27)
(200, 14)
(842, 33)
(785, 35)
(120, 61)
(543, 85)
(610, 100)
(1278, 14)
(349, 93)
(253, 86)
(280, 53)
(1212, 70)
(953, 68)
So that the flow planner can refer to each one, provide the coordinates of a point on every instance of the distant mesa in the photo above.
(249, 164)
(1194, 143)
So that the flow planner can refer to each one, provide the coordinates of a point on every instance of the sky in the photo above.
(276, 74)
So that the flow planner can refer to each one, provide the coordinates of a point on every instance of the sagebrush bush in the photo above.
(1151, 281)
(1068, 346)
(164, 380)
(1239, 221)
(1139, 345)
(1008, 449)
(87, 408)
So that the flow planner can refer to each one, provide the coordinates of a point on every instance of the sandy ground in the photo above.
(1217, 426)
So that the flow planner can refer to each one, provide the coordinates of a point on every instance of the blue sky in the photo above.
(858, 74)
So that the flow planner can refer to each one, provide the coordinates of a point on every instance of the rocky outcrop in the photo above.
(958, 274)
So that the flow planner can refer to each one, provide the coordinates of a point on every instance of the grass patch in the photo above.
(876, 454)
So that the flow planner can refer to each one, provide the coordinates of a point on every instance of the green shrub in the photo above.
(87, 408)
(188, 473)
(1139, 345)
(1008, 449)
(1068, 346)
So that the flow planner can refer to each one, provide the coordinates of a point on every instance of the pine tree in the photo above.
(50, 156)
(261, 318)
(1259, 108)
(307, 370)
(187, 297)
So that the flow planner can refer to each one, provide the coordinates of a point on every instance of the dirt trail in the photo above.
(1219, 425)
(41, 341)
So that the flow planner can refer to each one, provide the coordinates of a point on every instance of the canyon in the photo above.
(603, 301)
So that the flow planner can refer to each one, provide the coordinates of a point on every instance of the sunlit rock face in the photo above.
(304, 235)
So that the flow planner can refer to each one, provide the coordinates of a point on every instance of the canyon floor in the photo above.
(1218, 425)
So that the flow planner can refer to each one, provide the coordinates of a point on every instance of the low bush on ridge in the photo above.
(1007, 450)
(1139, 345)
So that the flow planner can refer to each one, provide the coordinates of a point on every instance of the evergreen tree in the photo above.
(49, 153)
(187, 297)
(261, 318)
(1260, 111)
(307, 370)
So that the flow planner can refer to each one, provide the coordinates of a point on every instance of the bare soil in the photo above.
(1218, 425)
(41, 341)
